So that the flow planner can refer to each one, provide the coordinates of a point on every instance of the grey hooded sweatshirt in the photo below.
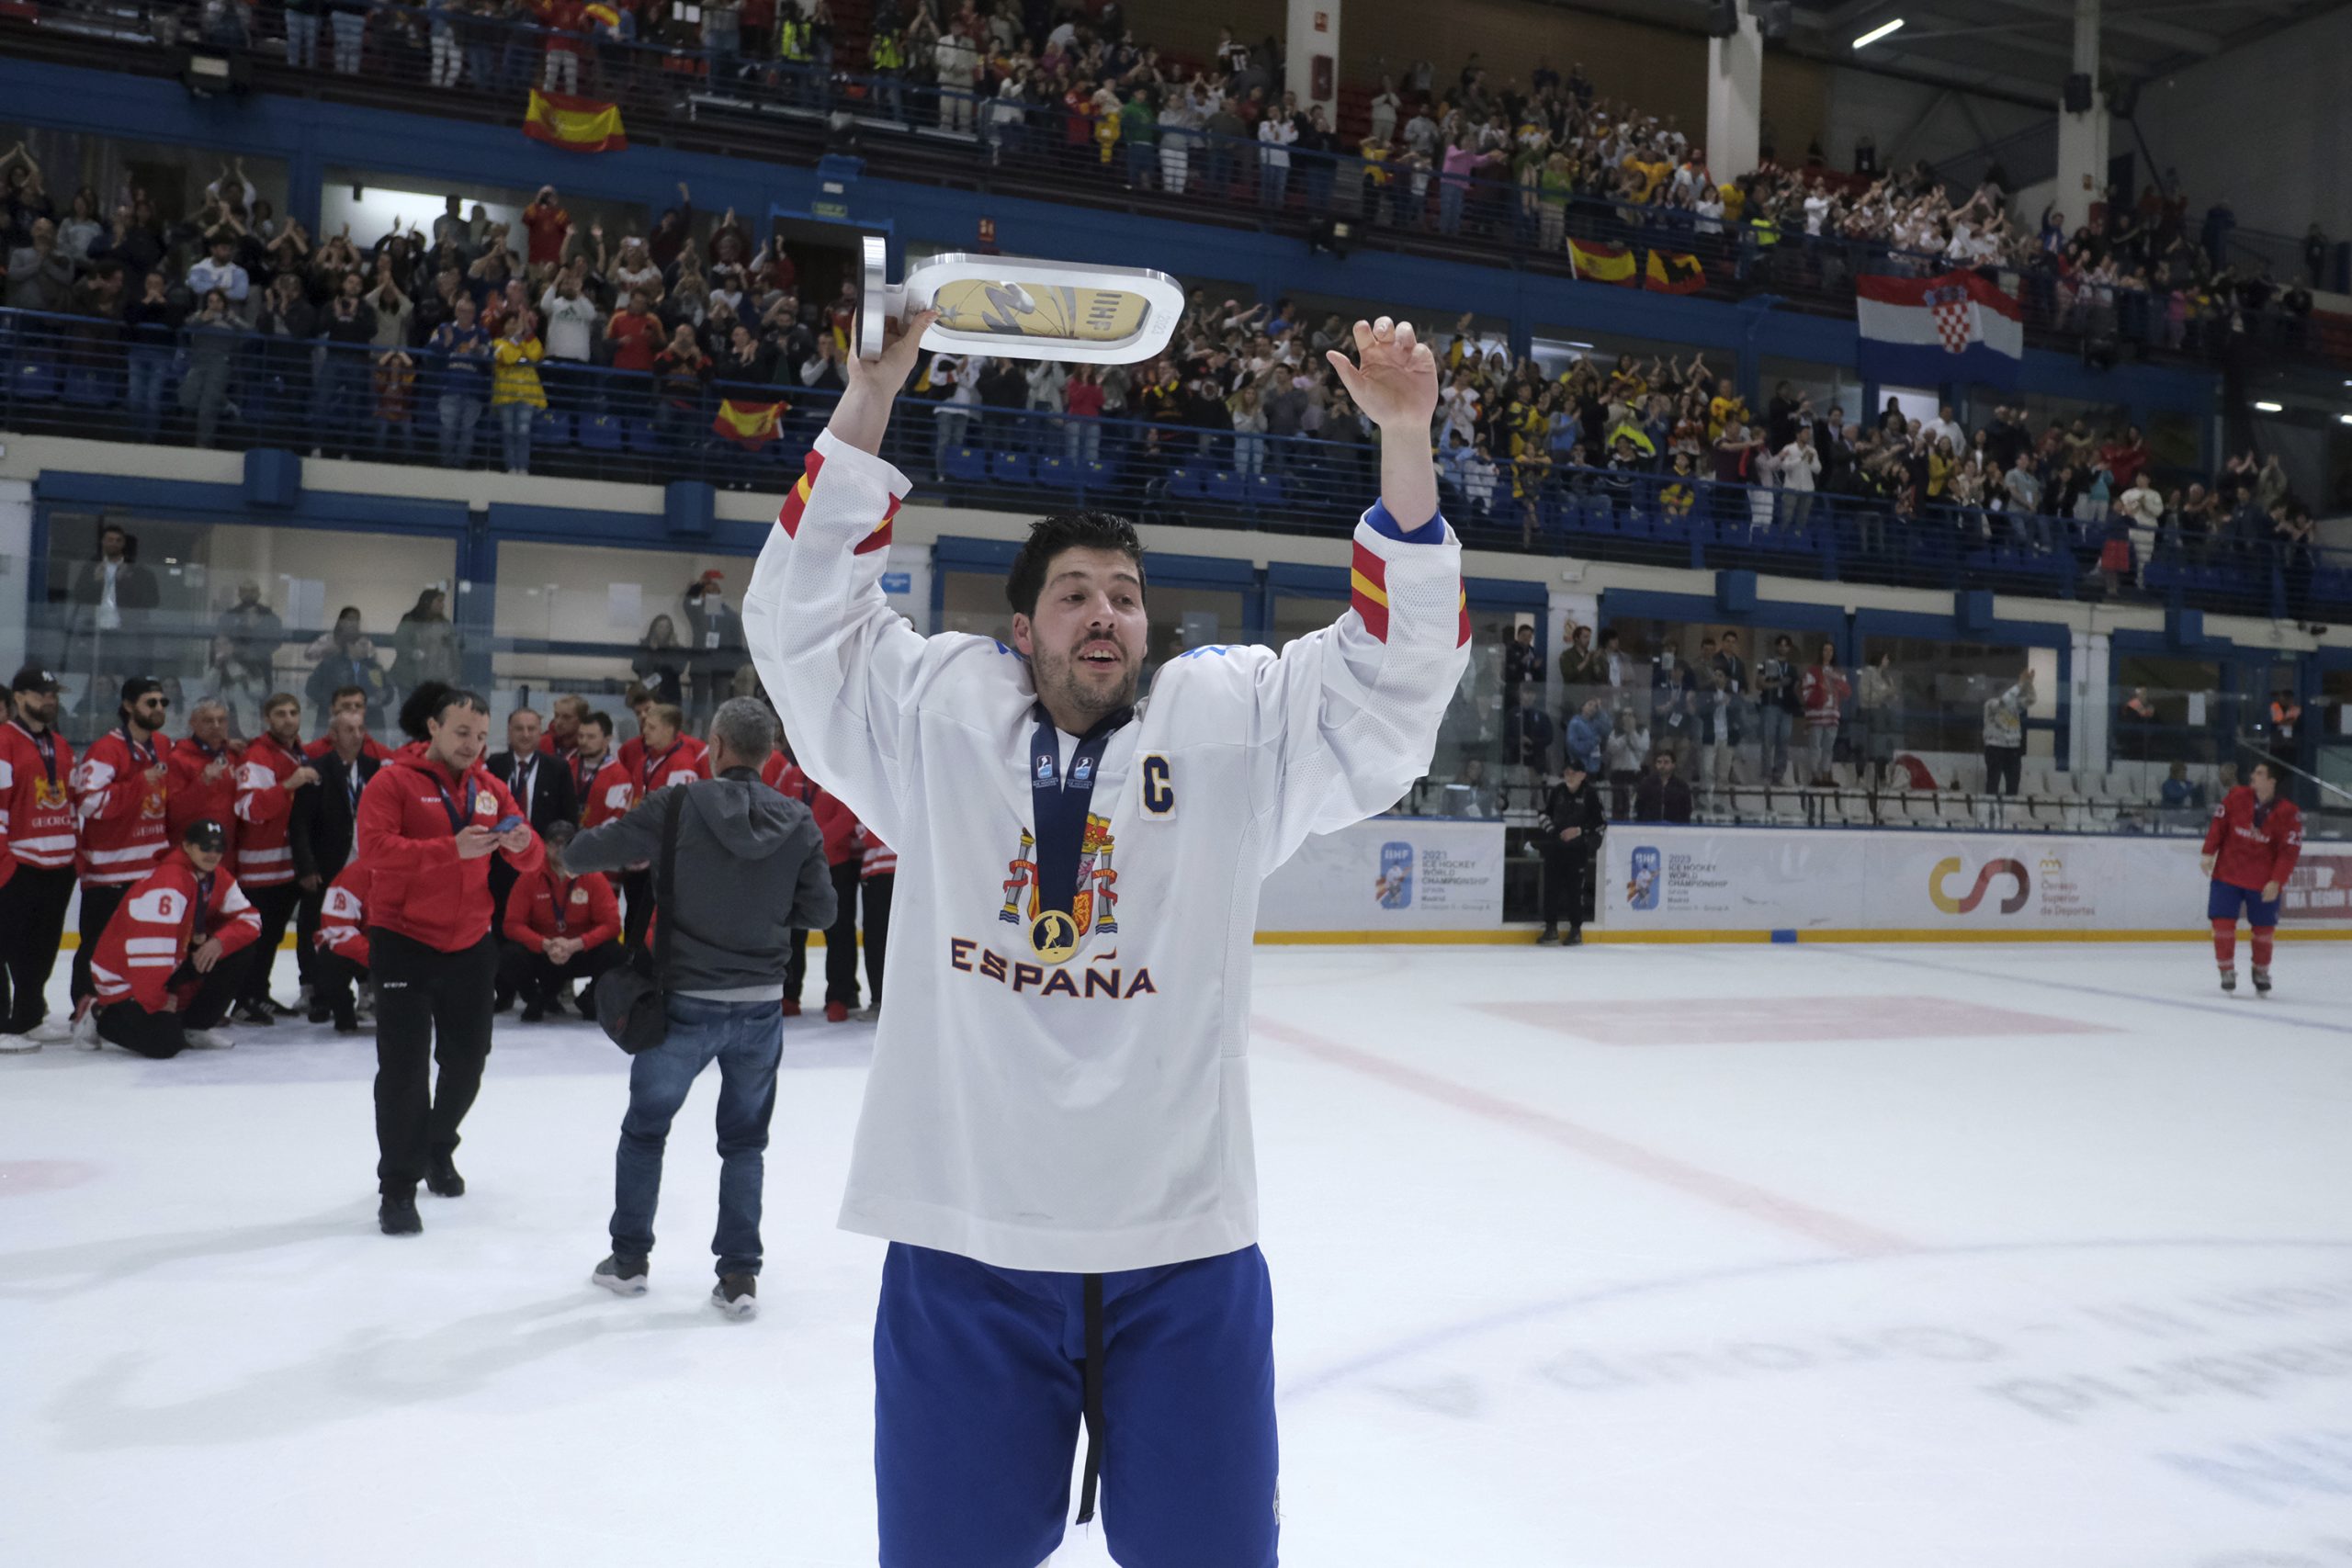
(751, 870)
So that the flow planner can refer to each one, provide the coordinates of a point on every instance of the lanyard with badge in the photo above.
(451, 803)
(1059, 805)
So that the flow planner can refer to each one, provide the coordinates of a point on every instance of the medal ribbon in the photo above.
(1059, 804)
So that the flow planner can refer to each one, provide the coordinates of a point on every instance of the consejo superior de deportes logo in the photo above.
(1986, 875)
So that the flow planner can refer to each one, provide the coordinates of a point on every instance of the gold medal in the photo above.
(1053, 936)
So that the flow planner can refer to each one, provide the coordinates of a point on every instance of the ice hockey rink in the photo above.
(2031, 1255)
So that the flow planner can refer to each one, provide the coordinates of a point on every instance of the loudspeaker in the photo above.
(2078, 94)
(1723, 18)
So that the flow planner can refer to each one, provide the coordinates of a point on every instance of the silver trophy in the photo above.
(1017, 307)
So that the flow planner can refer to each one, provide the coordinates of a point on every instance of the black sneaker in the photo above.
(346, 1020)
(622, 1276)
(2262, 982)
(1574, 937)
(2229, 979)
(737, 1295)
(534, 1011)
(320, 1012)
(1550, 934)
(396, 1215)
(443, 1180)
(256, 1013)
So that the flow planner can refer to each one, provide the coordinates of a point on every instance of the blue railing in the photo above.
(217, 384)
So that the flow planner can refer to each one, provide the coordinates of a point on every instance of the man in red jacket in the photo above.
(340, 962)
(2250, 851)
(120, 793)
(168, 964)
(606, 790)
(36, 858)
(429, 823)
(202, 784)
(560, 928)
(272, 772)
(661, 754)
(845, 854)
(561, 739)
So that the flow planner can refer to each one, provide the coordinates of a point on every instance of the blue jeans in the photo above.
(150, 368)
(302, 40)
(747, 1040)
(515, 434)
(459, 415)
(350, 32)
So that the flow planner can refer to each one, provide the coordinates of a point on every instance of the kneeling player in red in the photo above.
(173, 953)
(2250, 851)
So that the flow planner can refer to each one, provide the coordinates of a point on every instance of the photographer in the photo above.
(751, 863)
(1568, 836)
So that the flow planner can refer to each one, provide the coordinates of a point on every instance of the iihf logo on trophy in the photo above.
(1096, 904)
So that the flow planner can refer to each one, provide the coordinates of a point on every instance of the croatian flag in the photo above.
(1922, 331)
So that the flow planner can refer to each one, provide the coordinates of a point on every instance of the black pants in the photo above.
(875, 892)
(527, 972)
(32, 924)
(841, 946)
(163, 1035)
(1568, 883)
(275, 905)
(637, 888)
(309, 903)
(430, 1006)
(331, 979)
(2001, 768)
(100, 901)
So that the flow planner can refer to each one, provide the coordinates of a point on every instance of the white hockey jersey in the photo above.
(1093, 1115)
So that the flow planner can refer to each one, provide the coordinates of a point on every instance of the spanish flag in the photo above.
(748, 425)
(579, 125)
(1674, 272)
(1603, 263)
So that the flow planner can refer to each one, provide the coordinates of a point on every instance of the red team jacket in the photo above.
(187, 798)
(835, 821)
(422, 889)
(264, 814)
(155, 925)
(687, 758)
(607, 794)
(880, 859)
(36, 800)
(122, 814)
(2255, 844)
(343, 915)
(549, 906)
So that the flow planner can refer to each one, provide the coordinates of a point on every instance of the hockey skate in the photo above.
(2262, 982)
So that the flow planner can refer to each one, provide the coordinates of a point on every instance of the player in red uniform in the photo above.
(340, 962)
(36, 858)
(2250, 850)
(845, 855)
(202, 784)
(169, 960)
(272, 772)
(120, 796)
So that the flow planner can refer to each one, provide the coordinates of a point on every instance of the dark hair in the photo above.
(430, 701)
(598, 718)
(342, 692)
(1049, 536)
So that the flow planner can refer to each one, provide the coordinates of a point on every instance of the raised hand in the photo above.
(1394, 376)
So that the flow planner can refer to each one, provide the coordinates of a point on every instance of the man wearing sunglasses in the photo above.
(119, 806)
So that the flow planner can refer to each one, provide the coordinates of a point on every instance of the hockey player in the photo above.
(2250, 850)
(36, 858)
(202, 784)
(560, 928)
(340, 961)
(173, 953)
(273, 772)
(119, 801)
(1056, 1139)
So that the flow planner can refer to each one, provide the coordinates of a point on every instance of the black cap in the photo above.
(559, 833)
(205, 834)
(139, 686)
(33, 678)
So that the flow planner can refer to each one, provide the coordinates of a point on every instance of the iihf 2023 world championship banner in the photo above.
(1392, 873)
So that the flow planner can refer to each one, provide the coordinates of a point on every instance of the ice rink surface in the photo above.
(1891, 1256)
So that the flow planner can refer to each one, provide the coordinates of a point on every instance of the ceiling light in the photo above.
(2270, 408)
(2346, 418)
(1878, 32)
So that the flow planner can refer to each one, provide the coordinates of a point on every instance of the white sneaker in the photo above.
(868, 1014)
(86, 1031)
(210, 1040)
(51, 1032)
(18, 1044)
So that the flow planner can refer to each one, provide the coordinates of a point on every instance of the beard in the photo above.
(1061, 680)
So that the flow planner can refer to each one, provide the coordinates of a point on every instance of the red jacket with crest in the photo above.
(35, 800)
(548, 905)
(154, 926)
(422, 889)
(121, 813)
